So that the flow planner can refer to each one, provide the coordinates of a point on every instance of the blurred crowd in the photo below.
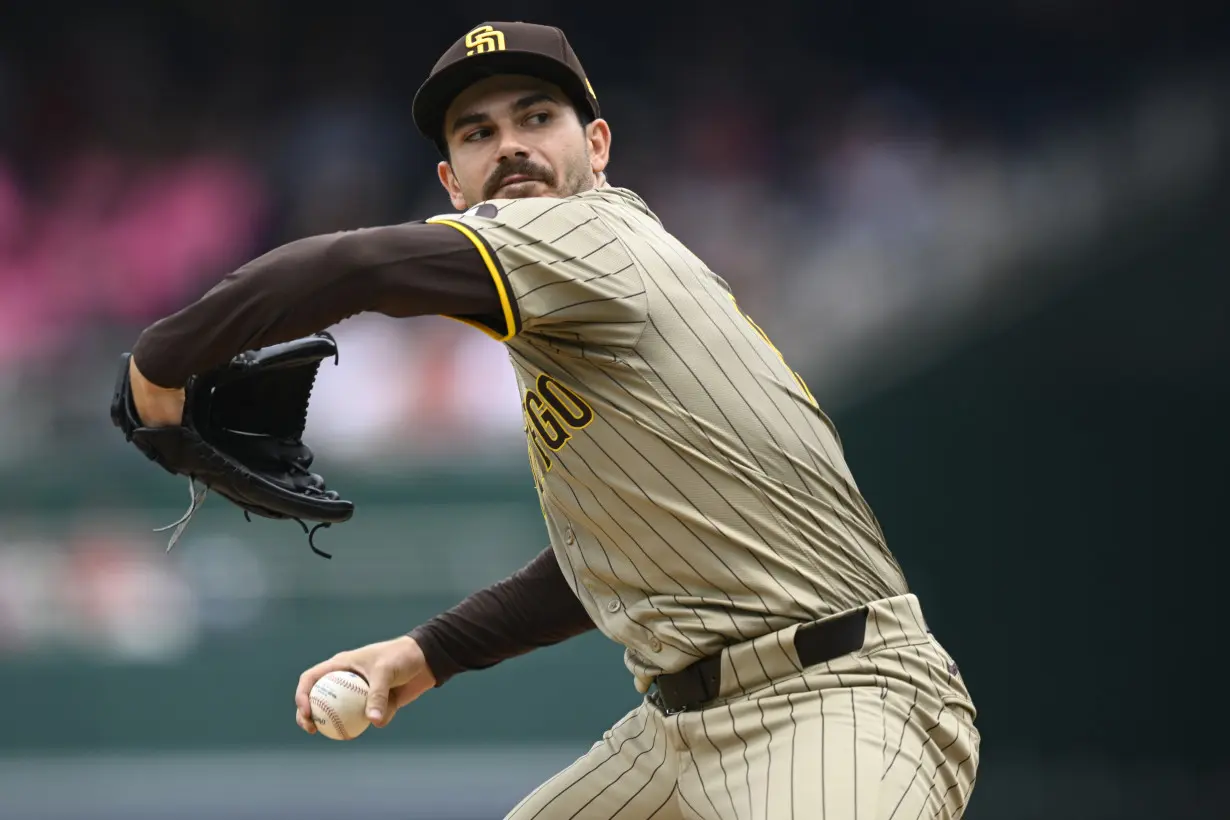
(861, 217)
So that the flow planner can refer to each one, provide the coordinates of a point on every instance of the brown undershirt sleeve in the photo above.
(532, 608)
(305, 286)
(415, 269)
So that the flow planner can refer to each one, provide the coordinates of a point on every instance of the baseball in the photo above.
(339, 703)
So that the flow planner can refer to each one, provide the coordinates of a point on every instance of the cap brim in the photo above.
(438, 92)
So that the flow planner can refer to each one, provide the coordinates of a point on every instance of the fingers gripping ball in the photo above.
(339, 701)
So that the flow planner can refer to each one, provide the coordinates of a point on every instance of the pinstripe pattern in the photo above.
(708, 502)
(884, 734)
(631, 774)
(699, 502)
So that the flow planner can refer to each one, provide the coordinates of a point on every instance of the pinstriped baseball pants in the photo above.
(886, 733)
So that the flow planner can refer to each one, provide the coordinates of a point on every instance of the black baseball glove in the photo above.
(242, 435)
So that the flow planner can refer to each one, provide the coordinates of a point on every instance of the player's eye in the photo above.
(540, 118)
(477, 134)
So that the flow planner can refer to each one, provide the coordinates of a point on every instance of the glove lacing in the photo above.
(197, 497)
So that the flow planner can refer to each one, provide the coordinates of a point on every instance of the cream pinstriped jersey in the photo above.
(694, 493)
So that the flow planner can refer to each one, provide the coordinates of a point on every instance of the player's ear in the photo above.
(598, 134)
(449, 180)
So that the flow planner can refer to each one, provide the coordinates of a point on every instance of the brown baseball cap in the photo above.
(500, 48)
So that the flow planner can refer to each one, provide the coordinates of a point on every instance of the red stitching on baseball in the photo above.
(347, 683)
(334, 718)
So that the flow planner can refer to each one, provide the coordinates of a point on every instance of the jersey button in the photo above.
(655, 644)
(569, 538)
(614, 605)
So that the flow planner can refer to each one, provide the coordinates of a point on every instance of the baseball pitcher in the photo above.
(699, 508)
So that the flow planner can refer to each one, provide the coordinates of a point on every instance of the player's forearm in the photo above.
(312, 284)
(532, 608)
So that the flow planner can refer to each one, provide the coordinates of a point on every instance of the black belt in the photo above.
(815, 643)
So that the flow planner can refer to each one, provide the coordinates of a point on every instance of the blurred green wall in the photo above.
(416, 546)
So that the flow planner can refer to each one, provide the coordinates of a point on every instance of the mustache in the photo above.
(517, 167)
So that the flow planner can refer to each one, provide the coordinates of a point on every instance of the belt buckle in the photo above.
(656, 698)
(706, 674)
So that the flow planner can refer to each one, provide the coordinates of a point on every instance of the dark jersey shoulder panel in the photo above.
(311, 284)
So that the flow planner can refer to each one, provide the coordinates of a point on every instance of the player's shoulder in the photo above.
(521, 213)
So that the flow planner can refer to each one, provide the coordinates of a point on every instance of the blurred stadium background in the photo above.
(995, 237)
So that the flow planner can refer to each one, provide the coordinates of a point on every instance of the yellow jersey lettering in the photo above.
(552, 413)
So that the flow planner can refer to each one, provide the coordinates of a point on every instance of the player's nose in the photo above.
(511, 148)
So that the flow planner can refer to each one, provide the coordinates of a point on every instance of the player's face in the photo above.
(513, 137)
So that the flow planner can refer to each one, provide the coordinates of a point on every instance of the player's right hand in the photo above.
(396, 672)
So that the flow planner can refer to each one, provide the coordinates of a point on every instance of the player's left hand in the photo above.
(237, 430)
(156, 406)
